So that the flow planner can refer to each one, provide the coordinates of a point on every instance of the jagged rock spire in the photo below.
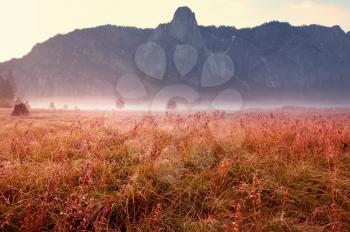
(184, 27)
(184, 15)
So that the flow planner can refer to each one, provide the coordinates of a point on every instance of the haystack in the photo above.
(20, 110)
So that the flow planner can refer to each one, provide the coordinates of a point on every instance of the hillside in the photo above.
(272, 61)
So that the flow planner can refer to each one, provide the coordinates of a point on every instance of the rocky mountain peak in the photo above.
(184, 27)
(184, 15)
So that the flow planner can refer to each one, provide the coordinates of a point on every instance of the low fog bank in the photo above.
(181, 104)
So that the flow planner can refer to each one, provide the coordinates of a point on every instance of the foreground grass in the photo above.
(83, 171)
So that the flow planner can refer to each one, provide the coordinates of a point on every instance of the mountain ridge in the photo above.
(272, 59)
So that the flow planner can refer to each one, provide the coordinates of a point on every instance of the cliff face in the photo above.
(270, 60)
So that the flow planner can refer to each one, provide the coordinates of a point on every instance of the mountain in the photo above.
(273, 62)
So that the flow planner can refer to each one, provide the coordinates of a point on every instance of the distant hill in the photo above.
(272, 62)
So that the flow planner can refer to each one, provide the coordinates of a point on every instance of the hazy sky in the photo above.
(23, 23)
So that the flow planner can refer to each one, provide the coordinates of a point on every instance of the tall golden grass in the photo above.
(248, 171)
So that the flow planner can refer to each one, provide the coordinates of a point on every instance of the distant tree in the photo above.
(65, 107)
(7, 90)
(171, 105)
(119, 103)
(52, 106)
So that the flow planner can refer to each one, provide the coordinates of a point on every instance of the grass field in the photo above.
(286, 170)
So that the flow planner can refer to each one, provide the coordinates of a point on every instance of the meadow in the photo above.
(280, 170)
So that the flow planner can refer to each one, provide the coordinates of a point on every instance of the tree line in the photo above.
(7, 90)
